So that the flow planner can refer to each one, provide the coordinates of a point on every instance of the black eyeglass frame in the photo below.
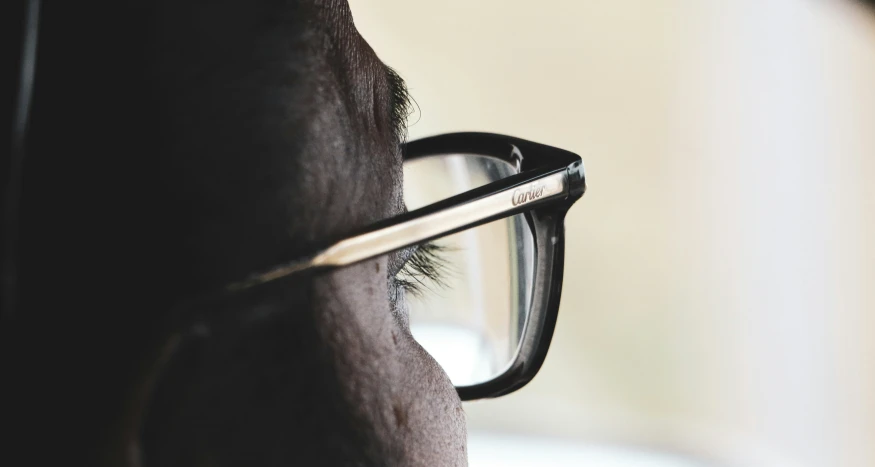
(547, 222)
(548, 182)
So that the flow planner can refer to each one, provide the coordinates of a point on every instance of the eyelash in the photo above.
(401, 105)
(427, 265)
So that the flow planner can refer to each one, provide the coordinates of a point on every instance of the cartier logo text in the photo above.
(527, 195)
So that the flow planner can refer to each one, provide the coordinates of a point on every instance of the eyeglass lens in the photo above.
(470, 306)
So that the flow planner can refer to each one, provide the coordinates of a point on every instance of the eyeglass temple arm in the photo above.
(543, 188)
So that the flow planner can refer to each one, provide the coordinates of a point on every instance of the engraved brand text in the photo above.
(523, 196)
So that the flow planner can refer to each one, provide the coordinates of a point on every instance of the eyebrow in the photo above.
(401, 104)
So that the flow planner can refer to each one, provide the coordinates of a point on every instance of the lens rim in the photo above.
(548, 231)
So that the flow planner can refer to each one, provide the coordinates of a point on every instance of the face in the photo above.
(256, 132)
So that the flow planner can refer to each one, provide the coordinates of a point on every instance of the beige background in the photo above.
(719, 293)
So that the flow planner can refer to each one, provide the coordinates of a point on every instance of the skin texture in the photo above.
(180, 146)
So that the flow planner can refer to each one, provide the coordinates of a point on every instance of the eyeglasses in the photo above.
(484, 244)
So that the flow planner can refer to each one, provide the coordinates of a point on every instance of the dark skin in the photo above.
(176, 148)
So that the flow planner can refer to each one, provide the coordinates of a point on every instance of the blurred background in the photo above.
(719, 301)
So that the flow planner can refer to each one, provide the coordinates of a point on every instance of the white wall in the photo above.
(719, 292)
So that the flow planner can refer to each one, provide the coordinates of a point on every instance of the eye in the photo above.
(425, 270)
